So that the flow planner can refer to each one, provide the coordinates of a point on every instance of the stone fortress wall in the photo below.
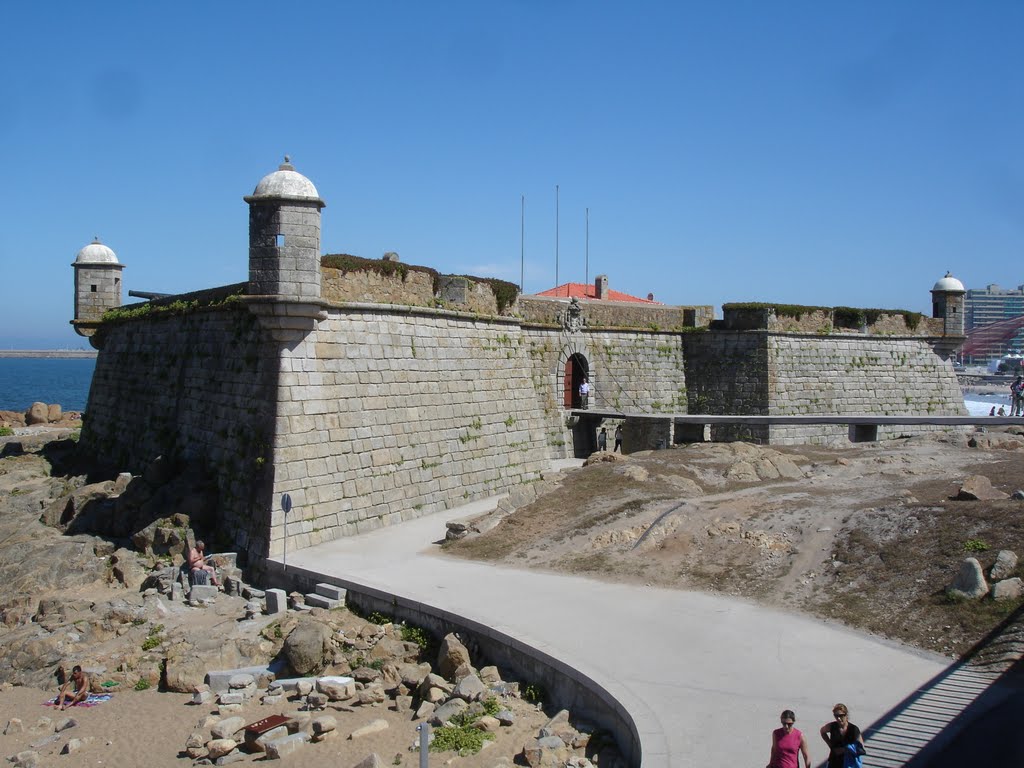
(755, 362)
(193, 386)
(371, 391)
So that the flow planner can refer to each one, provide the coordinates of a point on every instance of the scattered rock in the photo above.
(369, 729)
(451, 655)
(280, 748)
(979, 488)
(1004, 566)
(970, 581)
(220, 747)
(306, 647)
(228, 727)
(1008, 589)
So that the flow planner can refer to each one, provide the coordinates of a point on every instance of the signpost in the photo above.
(286, 505)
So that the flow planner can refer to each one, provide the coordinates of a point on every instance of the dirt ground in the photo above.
(870, 535)
(149, 728)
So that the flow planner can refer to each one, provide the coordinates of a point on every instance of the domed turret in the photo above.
(948, 304)
(96, 253)
(949, 284)
(97, 284)
(284, 235)
(286, 184)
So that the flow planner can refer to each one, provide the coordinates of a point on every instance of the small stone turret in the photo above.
(948, 304)
(284, 236)
(97, 285)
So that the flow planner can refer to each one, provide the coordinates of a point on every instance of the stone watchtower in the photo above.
(948, 304)
(284, 236)
(97, 285)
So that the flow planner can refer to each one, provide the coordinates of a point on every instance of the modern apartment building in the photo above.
(994, 321)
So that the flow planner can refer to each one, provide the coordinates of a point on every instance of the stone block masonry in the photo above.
(852, 375)
(770, 374)
(200, 387)
(385, 415)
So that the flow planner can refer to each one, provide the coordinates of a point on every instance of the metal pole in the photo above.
(587, 257)
(556, 234)
(424, 730)
(522, 243)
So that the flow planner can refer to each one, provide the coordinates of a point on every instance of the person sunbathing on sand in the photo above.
(75, 690)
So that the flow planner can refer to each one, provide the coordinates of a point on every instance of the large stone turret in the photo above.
(284, 236)
(97, 285)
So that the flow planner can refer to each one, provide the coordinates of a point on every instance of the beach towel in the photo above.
(92, 701)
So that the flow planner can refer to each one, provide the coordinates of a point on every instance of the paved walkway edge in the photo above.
(634, 727)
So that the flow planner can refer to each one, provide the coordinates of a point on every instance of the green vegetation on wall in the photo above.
(346, 262)
(842, 317)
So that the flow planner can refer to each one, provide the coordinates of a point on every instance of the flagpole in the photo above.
(522, 242)
(587, 257)
(556, 234)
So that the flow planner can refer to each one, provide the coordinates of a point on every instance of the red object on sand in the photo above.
(266, 724)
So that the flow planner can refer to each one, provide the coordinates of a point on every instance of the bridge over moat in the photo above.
(654, 430)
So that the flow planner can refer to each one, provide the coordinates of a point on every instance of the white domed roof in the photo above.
(949, 284)
(96, 253)
(286, 183)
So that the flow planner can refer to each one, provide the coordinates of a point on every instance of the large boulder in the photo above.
(38, 413)
(979, 488)
(307, 647)
(54, 413)
(970, 581)
(451, 656)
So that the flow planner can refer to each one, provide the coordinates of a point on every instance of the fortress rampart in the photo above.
(371, 392)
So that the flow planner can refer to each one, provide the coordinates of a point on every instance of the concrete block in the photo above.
(277, 601)
(319, 601)
(220, 680)
(202, 592)
(279, 748)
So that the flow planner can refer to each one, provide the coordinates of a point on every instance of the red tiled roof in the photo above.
(584, 291)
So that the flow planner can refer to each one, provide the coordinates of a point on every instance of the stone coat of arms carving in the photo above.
(572, 318)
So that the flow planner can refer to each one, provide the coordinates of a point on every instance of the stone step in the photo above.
(319, 601)
(331, 591)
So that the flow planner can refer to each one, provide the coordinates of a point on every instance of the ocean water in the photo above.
(26, 380)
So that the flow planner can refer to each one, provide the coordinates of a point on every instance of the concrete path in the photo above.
(705, 677)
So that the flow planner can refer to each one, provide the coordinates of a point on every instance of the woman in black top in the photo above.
(838, 734)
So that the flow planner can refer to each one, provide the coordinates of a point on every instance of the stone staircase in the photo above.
(326, 596)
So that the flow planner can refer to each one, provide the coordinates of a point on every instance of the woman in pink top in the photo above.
(786, 742)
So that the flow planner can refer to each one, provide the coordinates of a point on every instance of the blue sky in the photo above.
(801, 152)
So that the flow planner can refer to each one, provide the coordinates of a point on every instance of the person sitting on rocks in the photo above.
(75, 690)
(198, 569)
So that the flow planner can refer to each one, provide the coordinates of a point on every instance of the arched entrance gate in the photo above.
(576, 369)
